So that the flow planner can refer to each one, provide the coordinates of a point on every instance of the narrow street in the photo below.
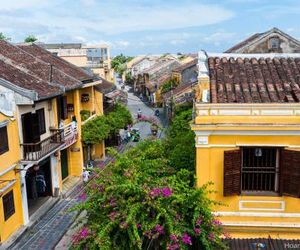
(135, 103)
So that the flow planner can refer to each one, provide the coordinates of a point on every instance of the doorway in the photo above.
(64, 164)
(38, 185)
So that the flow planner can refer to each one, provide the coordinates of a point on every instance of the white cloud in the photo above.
(219, 38)
(120, 44)
(117, 17)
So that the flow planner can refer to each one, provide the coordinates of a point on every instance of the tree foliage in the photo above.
(118, 63)
(168, 85)
(101, 127)
(180, 141)
(139, 202)
(30, 39)
(3, 37)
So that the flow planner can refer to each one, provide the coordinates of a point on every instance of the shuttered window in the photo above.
(3, 140)
(41, 120)
(290, 173)
(8, 205)
(64, 108)
(260, 169)
(232, 172)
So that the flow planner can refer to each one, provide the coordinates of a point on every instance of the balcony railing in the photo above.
(94, 64)
(36, 151)
(70, 132)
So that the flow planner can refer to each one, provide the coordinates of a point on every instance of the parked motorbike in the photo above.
(154, 129)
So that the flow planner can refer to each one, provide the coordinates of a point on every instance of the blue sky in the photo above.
(148, 26)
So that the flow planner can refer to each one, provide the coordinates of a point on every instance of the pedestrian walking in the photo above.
(139, 113)
(85, 175)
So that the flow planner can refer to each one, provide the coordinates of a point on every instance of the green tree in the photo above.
(168, 85)
(180, 141)
(30, 39)
(139, 202)
(118, 63)
(3, 37)
(101, 127)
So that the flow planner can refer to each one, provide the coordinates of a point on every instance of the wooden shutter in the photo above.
(290, 173)
(8, 205)
(64, 110)
(232, 172)
(41, 118)
(3, 140)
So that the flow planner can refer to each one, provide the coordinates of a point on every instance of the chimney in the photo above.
(203, 93)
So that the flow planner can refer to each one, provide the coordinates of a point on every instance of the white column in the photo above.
(54, 173)
(24, 197)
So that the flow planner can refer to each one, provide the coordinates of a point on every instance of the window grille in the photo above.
(260, 169)
(8, 205)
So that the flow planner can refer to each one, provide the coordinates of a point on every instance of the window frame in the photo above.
(276, 191)
(4, 148)
(274, 39)
(9, 208)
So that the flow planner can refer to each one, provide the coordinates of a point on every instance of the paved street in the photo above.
(134, 103)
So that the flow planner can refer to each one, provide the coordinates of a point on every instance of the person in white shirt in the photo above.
(85, 175)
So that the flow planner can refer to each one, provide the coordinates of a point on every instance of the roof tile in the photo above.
(254, 80)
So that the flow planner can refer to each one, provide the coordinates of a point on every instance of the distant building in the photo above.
(95, 58)
(185, 77)
(272, 41)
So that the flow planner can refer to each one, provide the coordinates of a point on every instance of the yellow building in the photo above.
(95, 58)
(247, 130)
(11, 217)
(41, 102)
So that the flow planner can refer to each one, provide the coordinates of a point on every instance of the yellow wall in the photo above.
(177, 77)
(264, 216)
(98, 102)
(80, 61)
(6, 160)
(76, 151)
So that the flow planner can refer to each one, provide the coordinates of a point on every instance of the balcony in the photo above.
(36, 151)
(70, 132)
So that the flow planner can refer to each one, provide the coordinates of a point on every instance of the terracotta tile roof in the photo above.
(56, 61)
(161, 74)
(26, 62)
(179, 90)
(261, 243)
(157, 66)
(27, 81)
(186, 66)
(254, 80)
(105, 87)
